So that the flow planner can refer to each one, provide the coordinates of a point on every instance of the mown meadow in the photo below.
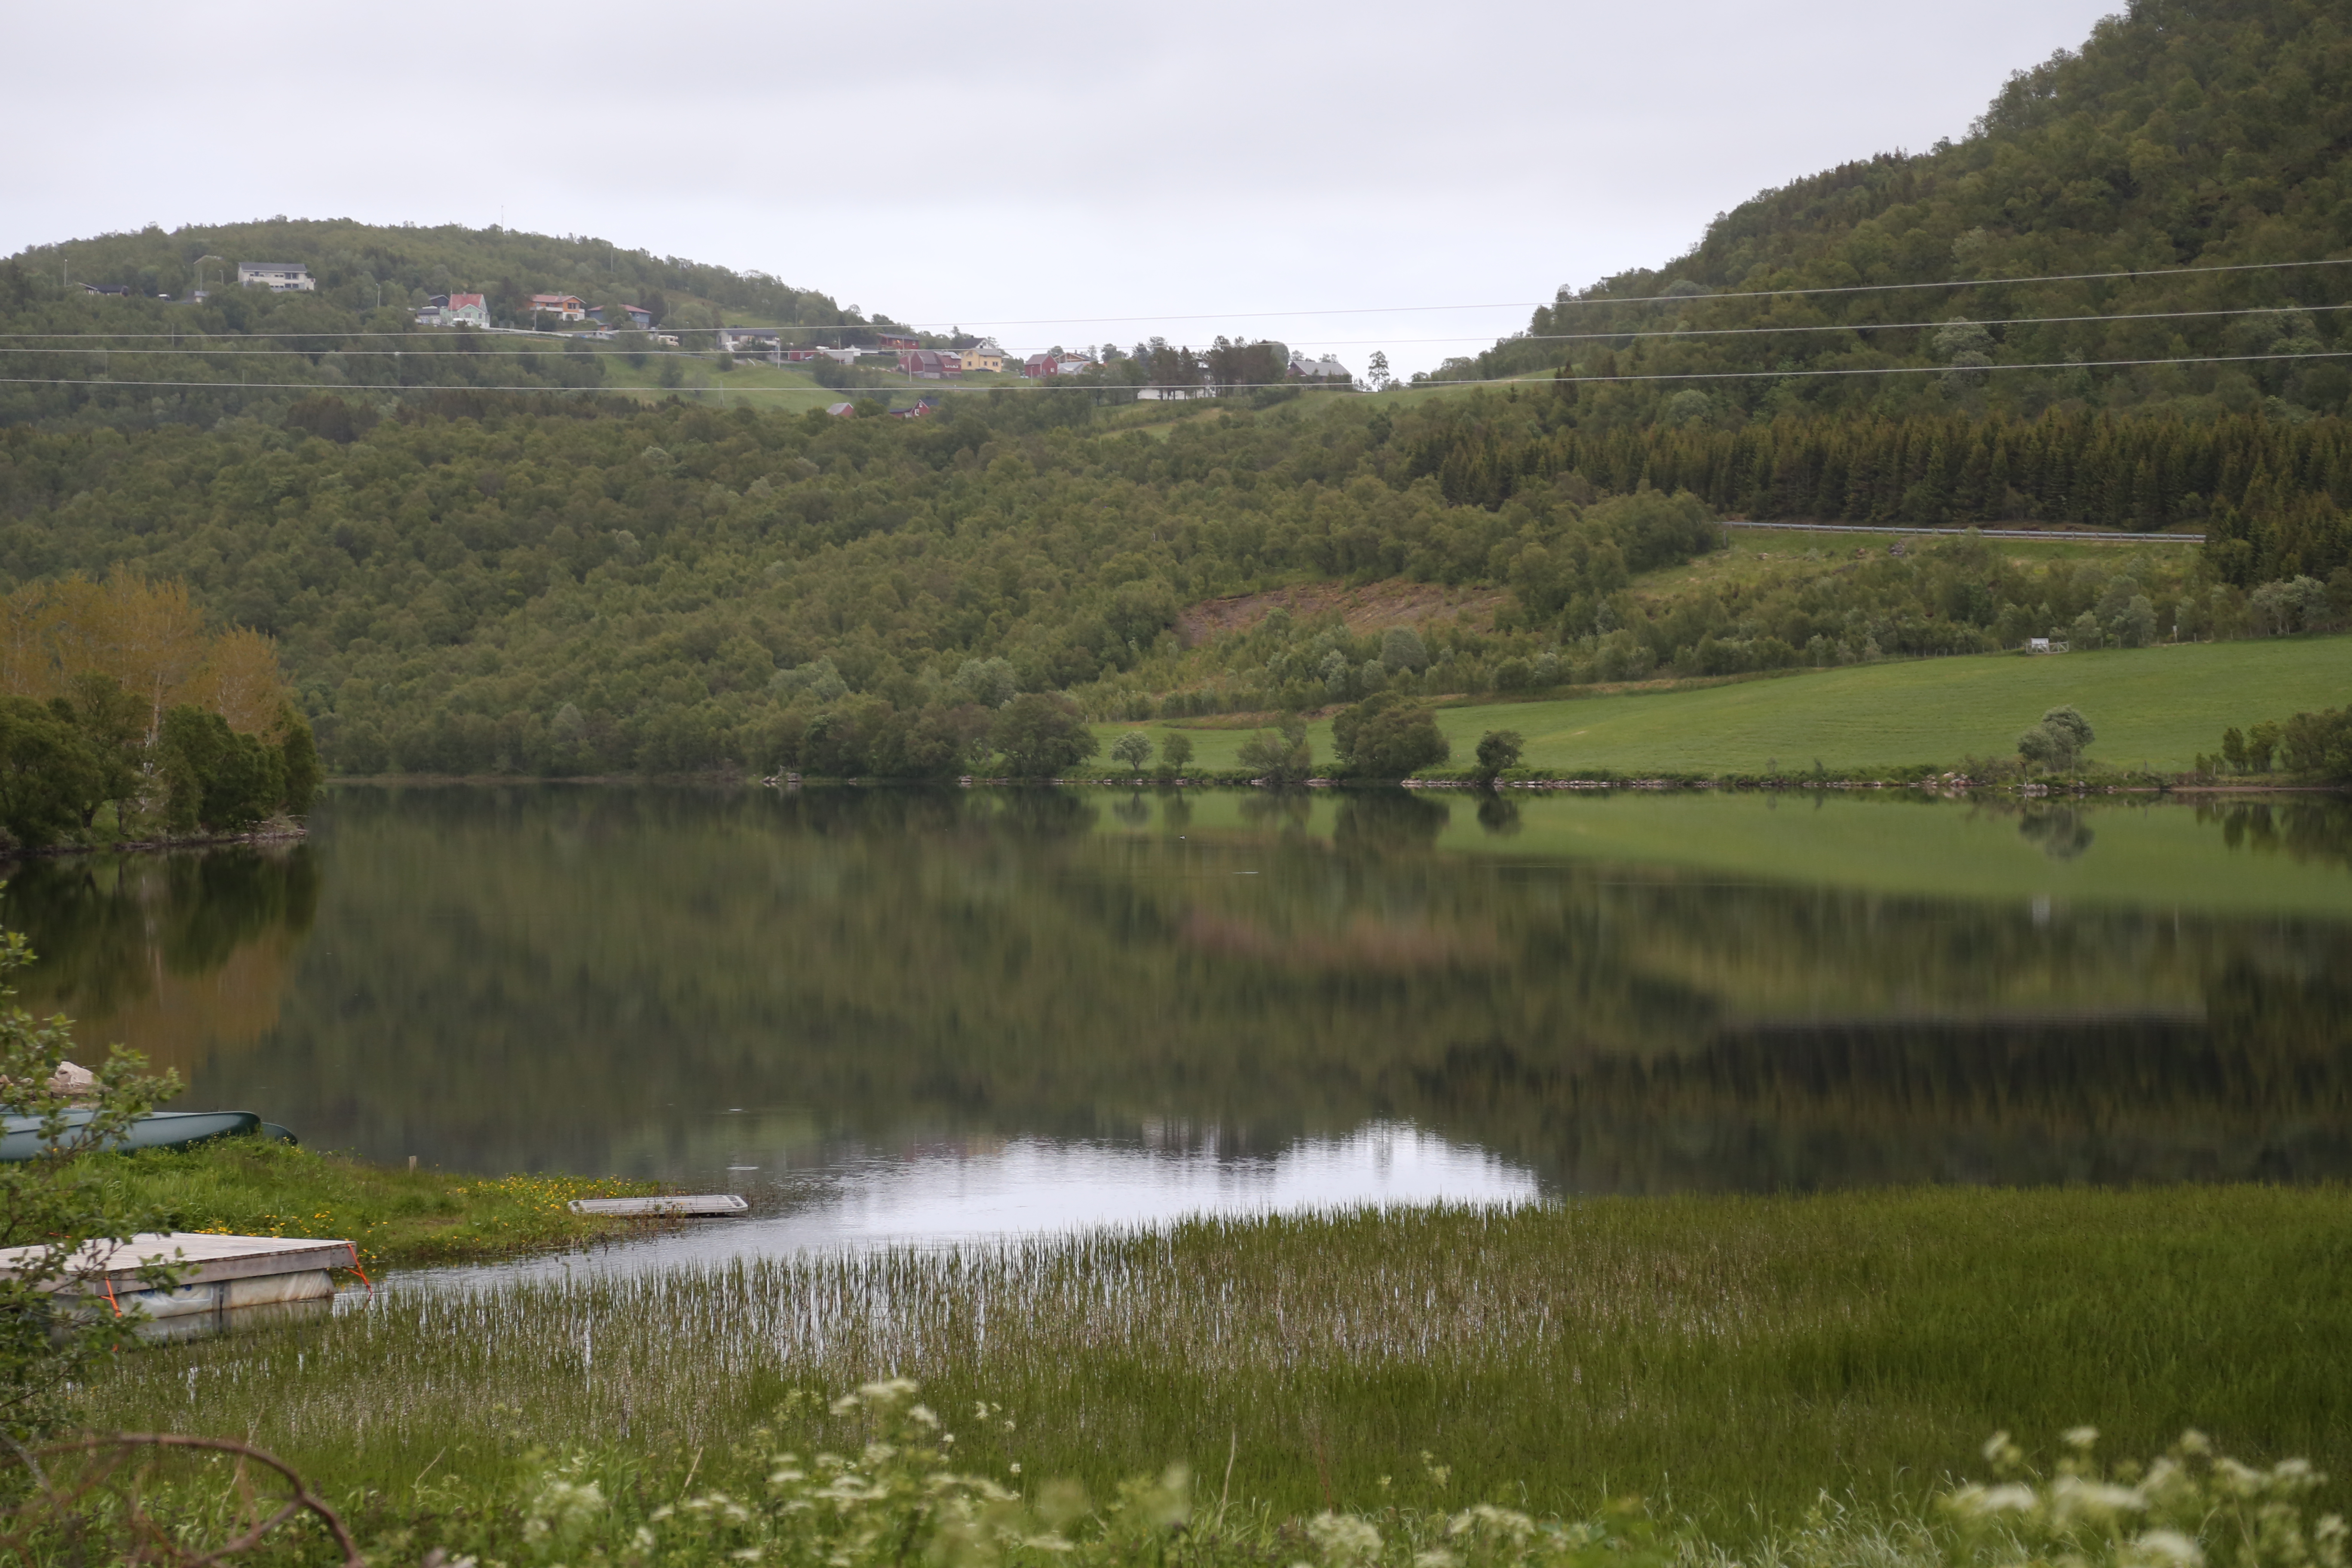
(2154, 709)
(1728, 1359)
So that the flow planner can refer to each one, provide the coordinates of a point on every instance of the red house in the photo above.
(929, 364)
(1041, 365)
(895, 343)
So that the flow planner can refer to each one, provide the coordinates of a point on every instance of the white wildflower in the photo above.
(2013, 1497)
(2080, 1436)
(922, 1415)
(2163, 1549)
(1344, 1537)
(1995, 1446)
(2072, 1496)
(888, 1391)
(1489, 1520)
(1436, 1557)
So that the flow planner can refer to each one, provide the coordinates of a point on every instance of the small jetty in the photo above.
(705, 1206)
(222, 1281)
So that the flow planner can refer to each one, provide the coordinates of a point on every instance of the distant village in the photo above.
(960, 356)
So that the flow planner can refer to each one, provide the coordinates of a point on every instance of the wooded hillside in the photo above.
(2185, 133)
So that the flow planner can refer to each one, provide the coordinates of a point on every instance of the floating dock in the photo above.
(222, 1281)
(708, 1206)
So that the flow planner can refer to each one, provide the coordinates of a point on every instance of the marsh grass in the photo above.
(1727, 1357)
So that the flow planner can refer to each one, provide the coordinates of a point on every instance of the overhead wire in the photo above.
(1562, 298)
(198, 347)
(1206, 393)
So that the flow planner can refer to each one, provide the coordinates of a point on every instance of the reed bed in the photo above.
(1730, 1358)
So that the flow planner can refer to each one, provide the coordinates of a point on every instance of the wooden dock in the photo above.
(222, 1280)
(707, 1205)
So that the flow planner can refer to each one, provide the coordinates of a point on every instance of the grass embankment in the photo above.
(243, 1186)
(2154, 709)
(1720, 1356)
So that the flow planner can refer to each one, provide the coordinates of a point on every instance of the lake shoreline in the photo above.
(293, 833)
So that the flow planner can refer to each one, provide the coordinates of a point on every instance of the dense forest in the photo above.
(468, 579)
(2202, 134)
(586, 587)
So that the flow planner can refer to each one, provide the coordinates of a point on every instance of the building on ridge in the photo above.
(278, 277)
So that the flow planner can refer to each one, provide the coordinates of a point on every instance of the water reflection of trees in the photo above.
(559, 977)
(173, 953)
(2316, 829)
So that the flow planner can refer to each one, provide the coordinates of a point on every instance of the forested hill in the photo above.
(139, 360)
(2185, 133)
(484, 583)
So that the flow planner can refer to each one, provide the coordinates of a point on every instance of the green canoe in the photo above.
(20, 1136)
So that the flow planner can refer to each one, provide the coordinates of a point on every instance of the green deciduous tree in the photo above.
(1498, 751)
(1175, 753)
(1040, 735)
(1133, 749)
(215, 778)
(48, 775)
(1281, 757)
(2058, 741)
(1386, 737)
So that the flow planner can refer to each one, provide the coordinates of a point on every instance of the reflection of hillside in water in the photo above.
(180, 956)
(589, 979)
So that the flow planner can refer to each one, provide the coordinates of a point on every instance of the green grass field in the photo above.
(2152, 707)
(1727, 1357)
(243, 1186)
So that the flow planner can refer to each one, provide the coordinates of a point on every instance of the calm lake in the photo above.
(891, 1015)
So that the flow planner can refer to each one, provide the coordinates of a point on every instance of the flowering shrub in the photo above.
(2189, 1508)
(900, 1500)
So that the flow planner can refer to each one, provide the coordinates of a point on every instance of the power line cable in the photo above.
(1674, 333)
(1055, 384)
(1553, 303)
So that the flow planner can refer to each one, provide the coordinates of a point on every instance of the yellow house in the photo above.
(983, 355)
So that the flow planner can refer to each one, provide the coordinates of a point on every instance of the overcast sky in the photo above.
(1177, 166)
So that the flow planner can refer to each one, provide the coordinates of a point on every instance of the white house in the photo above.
(278, 277)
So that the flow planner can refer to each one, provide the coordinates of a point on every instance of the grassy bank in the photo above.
(1728, 1356)
(2154, 708)
(243, 1186)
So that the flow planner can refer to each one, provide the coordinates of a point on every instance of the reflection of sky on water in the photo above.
(1030, 1186)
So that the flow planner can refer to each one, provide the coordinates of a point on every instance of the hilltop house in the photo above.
(983, 355)
(895, 343)
(278, 277)
(562, 307)
(455, 311)
(745, 341)
(1038, 366)
(842, 410)
(929, 364)
(122, 289)
(1326, 369)
(813, 351)
(635, 316)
